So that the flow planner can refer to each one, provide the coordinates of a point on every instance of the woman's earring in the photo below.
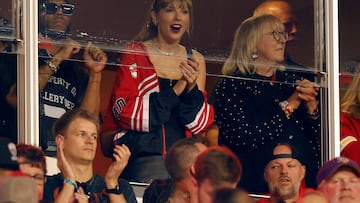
(254, 56)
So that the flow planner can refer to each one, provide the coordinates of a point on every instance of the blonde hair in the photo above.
(350, 103)
(246, 38)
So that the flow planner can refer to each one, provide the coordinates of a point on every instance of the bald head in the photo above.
(282, 149)
(284, 12)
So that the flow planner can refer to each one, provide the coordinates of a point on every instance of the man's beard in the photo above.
(285, 192)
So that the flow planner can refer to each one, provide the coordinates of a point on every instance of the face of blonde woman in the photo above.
(271, 47)
(172, 21)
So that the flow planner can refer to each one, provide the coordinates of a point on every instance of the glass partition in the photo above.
(248, 123)
(8, 66)
(67, 79)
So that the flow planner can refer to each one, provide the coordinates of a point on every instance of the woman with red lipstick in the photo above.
(259, 103)
(159, 93)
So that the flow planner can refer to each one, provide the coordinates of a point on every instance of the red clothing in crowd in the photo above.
(302, 192)
(349, 135)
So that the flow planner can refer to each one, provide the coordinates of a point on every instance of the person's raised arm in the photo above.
(194, 110)
(121, 157)
(95, 60)
(69, 186)
(62, 52)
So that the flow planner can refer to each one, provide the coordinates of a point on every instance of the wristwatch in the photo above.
(117, 190)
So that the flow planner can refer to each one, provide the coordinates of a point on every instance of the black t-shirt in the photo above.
(63, 92)
(94, 188)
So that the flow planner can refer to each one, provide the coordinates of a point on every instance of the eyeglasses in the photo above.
(39, 178)
(51, 8)
(277, 35)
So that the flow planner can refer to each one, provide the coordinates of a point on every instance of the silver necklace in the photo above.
(164, 52)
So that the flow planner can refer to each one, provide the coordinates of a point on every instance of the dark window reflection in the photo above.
(8, 101)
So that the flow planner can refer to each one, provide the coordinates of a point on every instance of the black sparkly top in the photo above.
(248, 113)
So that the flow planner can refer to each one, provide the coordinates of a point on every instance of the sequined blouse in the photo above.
(248, 114)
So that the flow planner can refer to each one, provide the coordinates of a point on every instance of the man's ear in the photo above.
(303, 171)
(58, 138)
(320, 186)
(192, 175)
(192, 170)
(265, 176)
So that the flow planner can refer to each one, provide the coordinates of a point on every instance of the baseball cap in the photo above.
(269, 156)
(8, 158)
(329, 168)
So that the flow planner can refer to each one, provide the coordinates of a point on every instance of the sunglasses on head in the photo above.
(51, 8)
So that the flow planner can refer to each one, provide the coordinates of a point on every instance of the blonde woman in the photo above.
(158, 95)
(259, 103)
(350, 121)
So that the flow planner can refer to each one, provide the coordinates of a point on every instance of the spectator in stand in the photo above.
(32, 162)
(165, 190)
(8, 157)
(216, 167)
(17, 190)
(338, 179)
(179, 161)
(285, 13)
(76, 136)
(284, 174)
(261, 103)
(159, 92)
(350, 121)
(63, 84)
(15, 186)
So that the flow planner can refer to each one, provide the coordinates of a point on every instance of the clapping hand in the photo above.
(307, 92)
(80, 196)
(121, 157)
(190, 71)
(63, 164)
